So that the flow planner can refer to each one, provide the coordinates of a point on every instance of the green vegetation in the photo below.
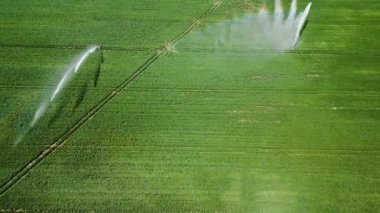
(199, 130)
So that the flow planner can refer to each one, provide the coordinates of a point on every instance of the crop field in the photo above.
(163, 118)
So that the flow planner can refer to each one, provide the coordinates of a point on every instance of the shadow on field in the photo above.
(80, 96)
(97, 74)
(57, 114)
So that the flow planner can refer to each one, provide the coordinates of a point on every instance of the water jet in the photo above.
(260, 30)
(62, 82)
(67, 75)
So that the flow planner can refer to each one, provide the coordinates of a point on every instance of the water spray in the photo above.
(301, 23)
(63, 81)
(285, 33)
(262, 30)
(68, 74)
(84, 56)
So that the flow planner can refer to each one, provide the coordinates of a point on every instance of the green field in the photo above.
(201, 130)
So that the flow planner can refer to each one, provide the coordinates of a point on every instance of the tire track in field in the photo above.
(63, 138)
(198, 50)
(73, 47)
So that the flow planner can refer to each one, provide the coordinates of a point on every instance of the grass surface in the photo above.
(202, 130)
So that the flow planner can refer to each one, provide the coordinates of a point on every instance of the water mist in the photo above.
(260, 30)
(66, 77)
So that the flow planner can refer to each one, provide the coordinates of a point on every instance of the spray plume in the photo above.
(67, 75)
(261, 30)
(281, 33)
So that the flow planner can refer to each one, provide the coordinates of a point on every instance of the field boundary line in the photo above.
(206, 50)
(73, 47)
(21, 173)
